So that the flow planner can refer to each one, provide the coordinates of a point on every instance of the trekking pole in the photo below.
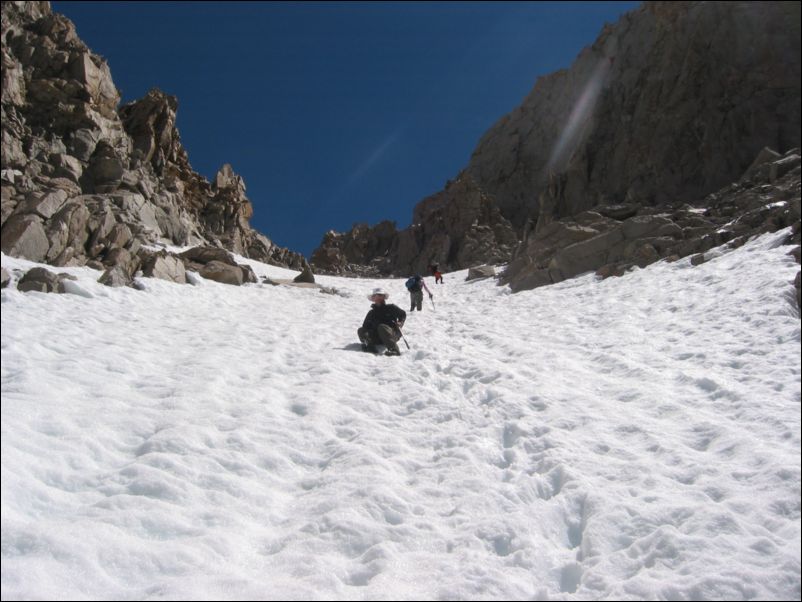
(398, 328)
(431, 298)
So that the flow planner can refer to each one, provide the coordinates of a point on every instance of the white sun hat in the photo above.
(379, 291)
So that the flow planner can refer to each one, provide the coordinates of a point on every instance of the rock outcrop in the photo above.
(362, 251)
(456, 228)
(85, 182)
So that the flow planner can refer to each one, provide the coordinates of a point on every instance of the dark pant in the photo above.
(383, 335)
(416, 300)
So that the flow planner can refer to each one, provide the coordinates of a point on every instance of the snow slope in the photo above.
(634, 438)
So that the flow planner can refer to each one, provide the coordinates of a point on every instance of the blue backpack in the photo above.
(413, 284)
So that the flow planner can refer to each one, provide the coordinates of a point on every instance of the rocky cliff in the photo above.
(669, 105)
(87, 182)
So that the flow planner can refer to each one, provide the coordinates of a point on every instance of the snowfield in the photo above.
(632, 438)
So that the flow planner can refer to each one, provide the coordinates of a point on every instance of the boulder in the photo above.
(43, 203)
(223, 272)
(305, 276)
(43, 281)
(588, 255)
(481, 271)
(24, 236)
(165, 267)
(115, 276)
(203, 255)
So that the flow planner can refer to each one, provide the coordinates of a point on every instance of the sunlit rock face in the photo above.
(85, 181)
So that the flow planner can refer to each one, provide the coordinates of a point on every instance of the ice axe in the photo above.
(398, 328)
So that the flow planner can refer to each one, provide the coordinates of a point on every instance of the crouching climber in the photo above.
(382, 325)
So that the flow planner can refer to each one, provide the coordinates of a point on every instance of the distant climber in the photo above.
(415, 285)
(435, 270)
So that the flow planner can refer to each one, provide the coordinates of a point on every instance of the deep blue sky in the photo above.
(336, 112)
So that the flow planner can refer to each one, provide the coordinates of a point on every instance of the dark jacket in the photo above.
(386, 313)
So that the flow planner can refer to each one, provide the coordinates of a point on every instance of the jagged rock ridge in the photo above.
(84, 182)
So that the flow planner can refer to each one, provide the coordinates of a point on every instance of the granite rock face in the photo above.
(84, 180)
